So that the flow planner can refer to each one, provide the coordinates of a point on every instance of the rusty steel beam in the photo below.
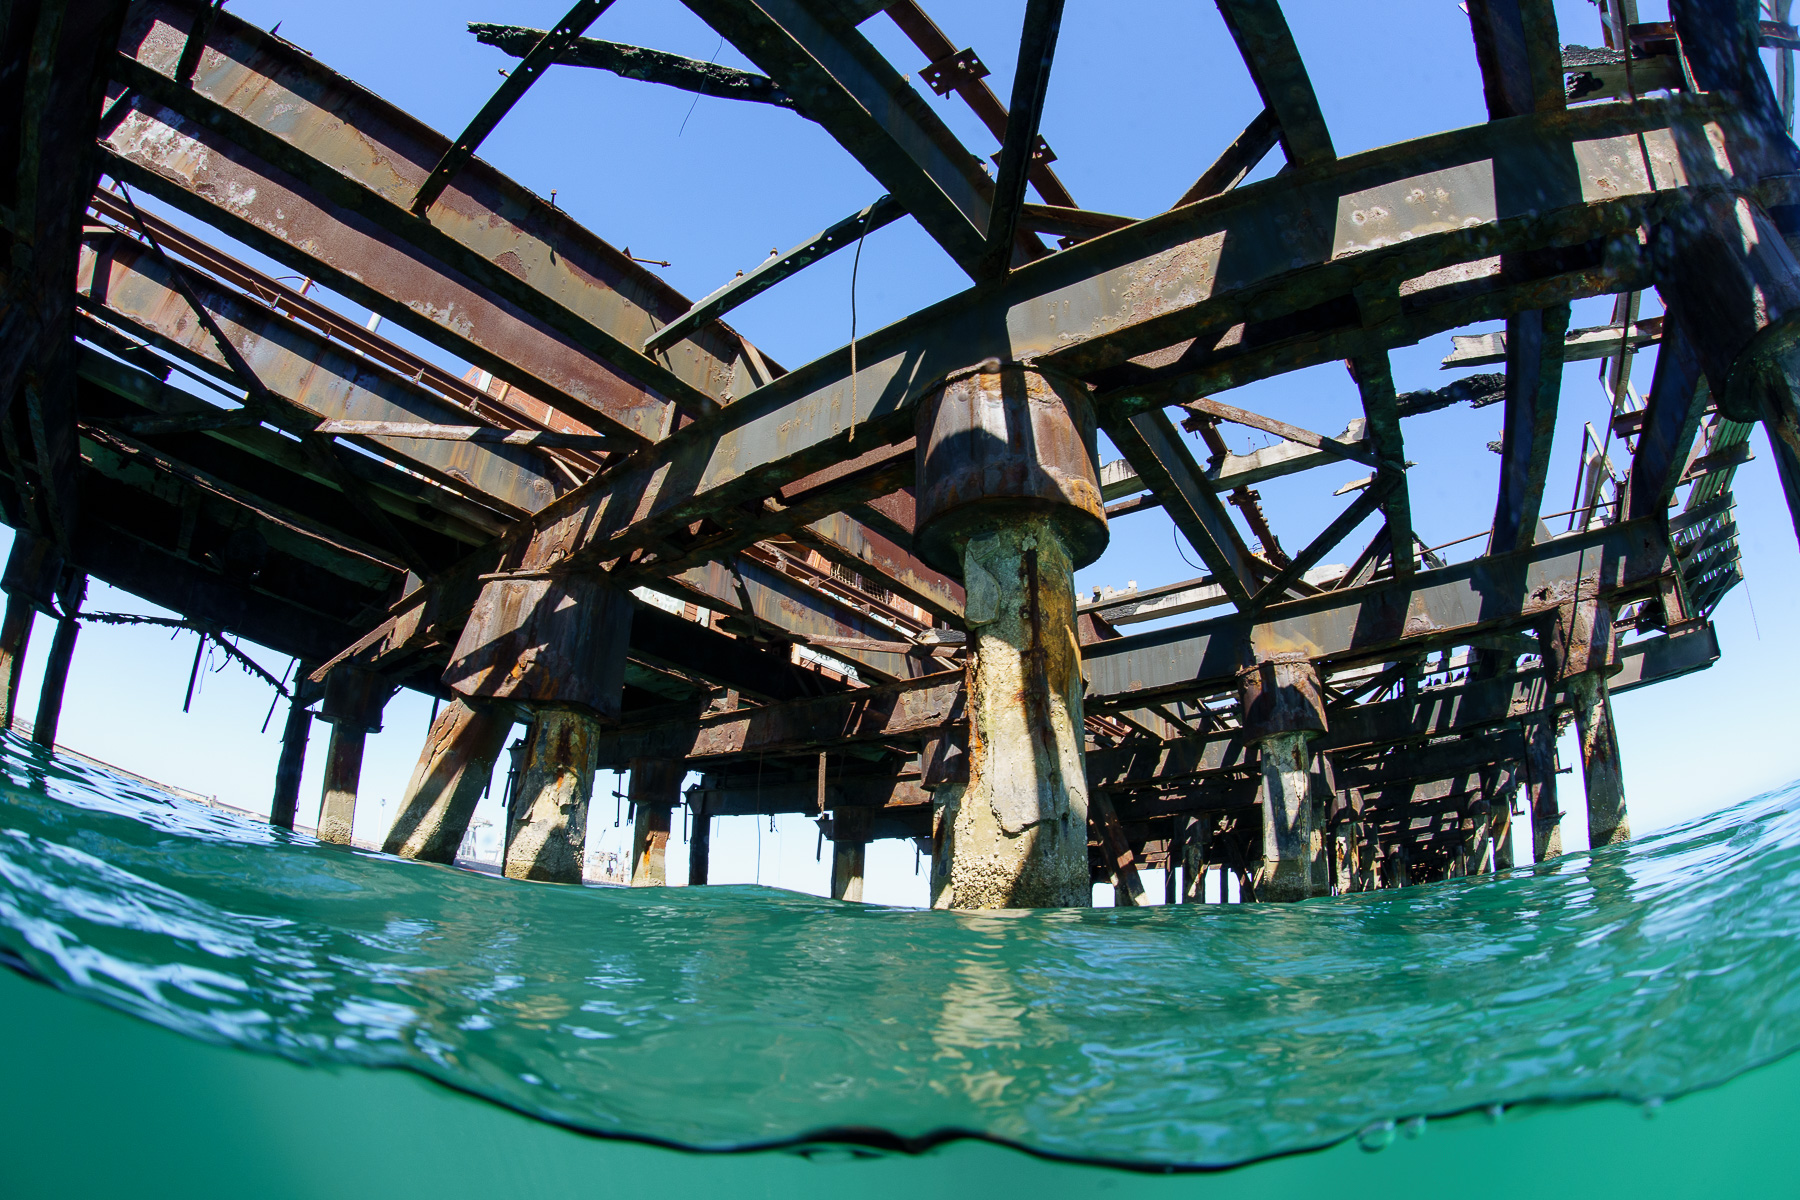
(842, 539)
(1339, 629)
(1031, 84)
(1240, 158)
(848, 718)
(641, 62)
(767, 274)
(126, 282)
(360, 154)
(401, 493)
(1266, 43)
(949, 70)
(841, 81)
(779, 608)
(1096, 306)
(537, 60)
(720, 799)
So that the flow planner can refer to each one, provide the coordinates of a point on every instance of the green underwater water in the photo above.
(735, 1017)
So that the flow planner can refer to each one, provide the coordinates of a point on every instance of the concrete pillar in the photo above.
(15, 636)
(655, 791)
(1193, 859)
(1608, 822)
(699, 844)
(453, 771)
(56, 669)
(849, 852)
(1009, 498)
(554, 644)
(33, 571)
(354, 699)
(1283, 709)
(546, 831)
(1579, 655)
(294, 735)
(343, 775)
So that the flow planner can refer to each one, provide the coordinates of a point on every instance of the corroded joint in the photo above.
(1007, 437)
(1580, 638)
(1282, 694)
(545, 641)
(354, 699)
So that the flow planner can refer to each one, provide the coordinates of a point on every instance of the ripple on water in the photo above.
(728, 1016)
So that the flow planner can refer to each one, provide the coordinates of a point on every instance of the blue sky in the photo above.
(1142, 97)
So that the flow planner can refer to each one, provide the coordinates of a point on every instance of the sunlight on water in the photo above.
(731, 1016)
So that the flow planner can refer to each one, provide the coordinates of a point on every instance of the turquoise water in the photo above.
(735, 1016)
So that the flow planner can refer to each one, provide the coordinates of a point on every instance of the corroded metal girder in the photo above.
(1426, 220)
(129, 284)
(332, 146)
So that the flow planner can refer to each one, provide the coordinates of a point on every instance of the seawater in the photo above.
(735, 1017)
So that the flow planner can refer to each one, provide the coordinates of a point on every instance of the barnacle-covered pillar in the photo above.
(1009, 498)
(1283, 709)
(554, 643)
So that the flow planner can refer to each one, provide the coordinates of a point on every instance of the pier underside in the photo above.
(846, 589)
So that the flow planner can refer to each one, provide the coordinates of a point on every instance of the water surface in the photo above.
(727, 1017)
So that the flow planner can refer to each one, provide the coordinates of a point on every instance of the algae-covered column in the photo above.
(1009, 498)
(555, 644)
(1578, 654)
(1282, 711)
(849, 852)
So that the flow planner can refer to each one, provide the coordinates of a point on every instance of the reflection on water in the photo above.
(736, 1015)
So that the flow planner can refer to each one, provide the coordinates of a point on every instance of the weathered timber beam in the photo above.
(1071, 311)
(1344, 628)
(1031, 84)
(772, 271)
(641, 62)
(125, 281)
(1665, 656)
(1069, 222)
(863, 715)
(1266, 43)
(357, 153)
(139, 465)
(1520, 55)
(1354, 451)
(401, 493)
(754, 671)
(841, 81)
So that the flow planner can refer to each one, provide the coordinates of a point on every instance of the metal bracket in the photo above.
(947, 73)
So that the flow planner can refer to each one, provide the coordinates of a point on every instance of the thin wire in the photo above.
(1176, 534)
(855, 268)
(697, 95)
